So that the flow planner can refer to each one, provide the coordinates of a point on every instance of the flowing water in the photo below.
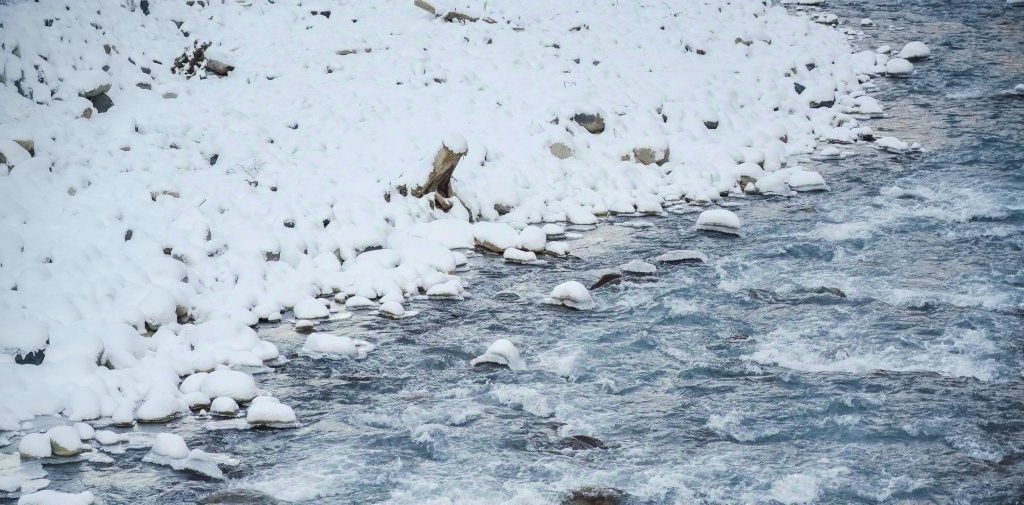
(863, 345)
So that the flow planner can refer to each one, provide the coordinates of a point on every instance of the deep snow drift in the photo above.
(140, 242)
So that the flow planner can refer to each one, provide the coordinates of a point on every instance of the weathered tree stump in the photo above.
(440, 178)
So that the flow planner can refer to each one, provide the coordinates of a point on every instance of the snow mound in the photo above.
(501, 352)
(683, 256)
(171, 450)
(267, 411)
(639, 267)
(224, 406)
(35, 445)
(236, 385)
(719, 220)
(915, 50)
(47, 497)
(571, 294)
(325, 343)
(898, 67)
(513, 255)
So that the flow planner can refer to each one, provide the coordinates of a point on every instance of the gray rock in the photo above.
(595, 496)
(98, 90)
(102, 102)
(560, 150)
(218, 67)
(239, 497)
(593, 123)
(649, 156)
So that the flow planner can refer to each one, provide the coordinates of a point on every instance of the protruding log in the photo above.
(439, 181)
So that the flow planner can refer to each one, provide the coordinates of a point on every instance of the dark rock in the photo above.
(606, 279)
(799, 87)
(593, 123)
(239, 497)
(595, 496)
(711, 125)
(218, 67)
(828, 290)
(823, 103)
(144, 5)
(213, 159)
(583, 443)
(32, 358)
(102, 102)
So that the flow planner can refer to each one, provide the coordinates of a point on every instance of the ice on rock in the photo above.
(391, 310)
(719, 220)
(898, 67)
(170, 446)
(683, 256)
(64, 441)
(326, 343)
(267, 411)
(35, 445)
(915, 50)
(501, 352)
(160, 408)
(639, 267)
(224, 406)
(48, 497)
(513, 255)
(532, 238)
(237, 385)
(571, 294)
(311, 308)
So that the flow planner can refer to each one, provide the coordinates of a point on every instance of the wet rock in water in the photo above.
(101, 102)
(914, 51)
(239, 497)
(583, 443)
(719, 220)
(595, 496)
(639, 267)
(593, 123)
(501, 353)
(607, 279)
(571, 294)
(560, 150)
(682, 256)
(828, 290)
(507, 297)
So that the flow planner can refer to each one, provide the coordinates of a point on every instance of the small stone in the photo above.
(593, 123)
(218, 67)
(649, 156)
(560, 150)
(101, 102)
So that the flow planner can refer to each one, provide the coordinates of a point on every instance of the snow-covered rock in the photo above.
(898, 67)
(915, 50)
(451, 289)
(391, 310)
(325, 343)
(683, 256)
(513, 255)
(171, 450)
(49, 497)
(239, 386)
(892, 144)
(35, 445)
(170, 446)
(160, 408)
(64, 441)
(639, 267)
(501, 352)
(360, 302)
(720, 220)
(311, 308)
(532, 238)
(572, 294)
(806, 180)
(224, 406)
(267, 411)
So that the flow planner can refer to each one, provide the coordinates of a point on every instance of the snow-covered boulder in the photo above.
(311, 308)
(391, 310)
(495, 237)
(359, 303)
(639, 267)
(64, 441)
(532, 238)
(239, 386)
(267, 411)
(572, 294)
(513, 255)
(682, 256)
(892, 144)
(451, 289)
(915, 50)
(19, 335)
(503, 353)
(898, 67)
(35, 445)
(171, 450)
(170, 446)
(224, 406)
(719, 220)
(325, 343)
(160, 408)
(806, 180)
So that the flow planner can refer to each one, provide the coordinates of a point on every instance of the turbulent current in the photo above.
(862, 345)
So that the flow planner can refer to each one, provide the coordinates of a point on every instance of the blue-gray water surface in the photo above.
(862, 345)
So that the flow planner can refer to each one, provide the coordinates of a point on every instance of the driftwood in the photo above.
(439, 180)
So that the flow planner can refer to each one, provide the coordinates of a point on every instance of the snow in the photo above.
(892, 144)
(720, 220)
(337, 344)
(170, 445)
(683, 255)
(268, 411)
(898, 66)
(239, 386)
(47, 497)
(224, 406)
(85, 432)
(572, 294)
(502, 352)
(311, 308)
(806, 180)
(639, 267)
(107, 437)
(512, 255)
(121, 225)
(160, 407)
(915, 50)
(391, 309)
(35, 445)
(64, 441)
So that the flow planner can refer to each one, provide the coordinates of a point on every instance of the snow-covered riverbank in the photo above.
(142, 242)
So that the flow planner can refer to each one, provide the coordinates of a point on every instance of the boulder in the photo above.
(593, 123)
